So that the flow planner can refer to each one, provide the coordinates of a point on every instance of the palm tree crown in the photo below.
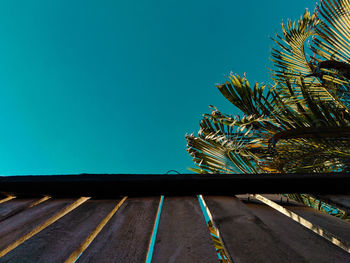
(300, 122)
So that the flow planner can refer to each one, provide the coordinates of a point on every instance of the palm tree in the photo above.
(300, 122)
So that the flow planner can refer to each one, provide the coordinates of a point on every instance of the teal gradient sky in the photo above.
(110, 86)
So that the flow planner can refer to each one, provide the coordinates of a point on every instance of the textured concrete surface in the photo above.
(336, 226)
(252, 232)
(125, 238)
(246, 236)
(183, 235)
(56, 242)
(14, 206)
(307, 244)
(20, 224)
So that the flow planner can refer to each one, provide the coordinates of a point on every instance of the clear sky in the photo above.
(111, 86)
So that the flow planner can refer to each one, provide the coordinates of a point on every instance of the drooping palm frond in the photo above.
(331, 47)
(220, 145)
(292, 61)
(290, 57)
(300, 123)
(333, 31)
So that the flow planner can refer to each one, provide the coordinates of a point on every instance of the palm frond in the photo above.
(289, 57)
(333, 31)
(254, 100)
(331, 48)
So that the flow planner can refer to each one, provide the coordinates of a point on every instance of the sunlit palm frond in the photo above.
(291, 61)
(228, 145)
(211, 156)
(333, 30)
(289, 57)
(254, 100)
(260, 100)
(331, 48)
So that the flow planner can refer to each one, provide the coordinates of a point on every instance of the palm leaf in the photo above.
(333, 41)
(289, 57)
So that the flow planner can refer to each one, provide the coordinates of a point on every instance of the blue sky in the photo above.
(113, 86)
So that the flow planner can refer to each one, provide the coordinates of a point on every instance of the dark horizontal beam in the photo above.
(115, 185)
